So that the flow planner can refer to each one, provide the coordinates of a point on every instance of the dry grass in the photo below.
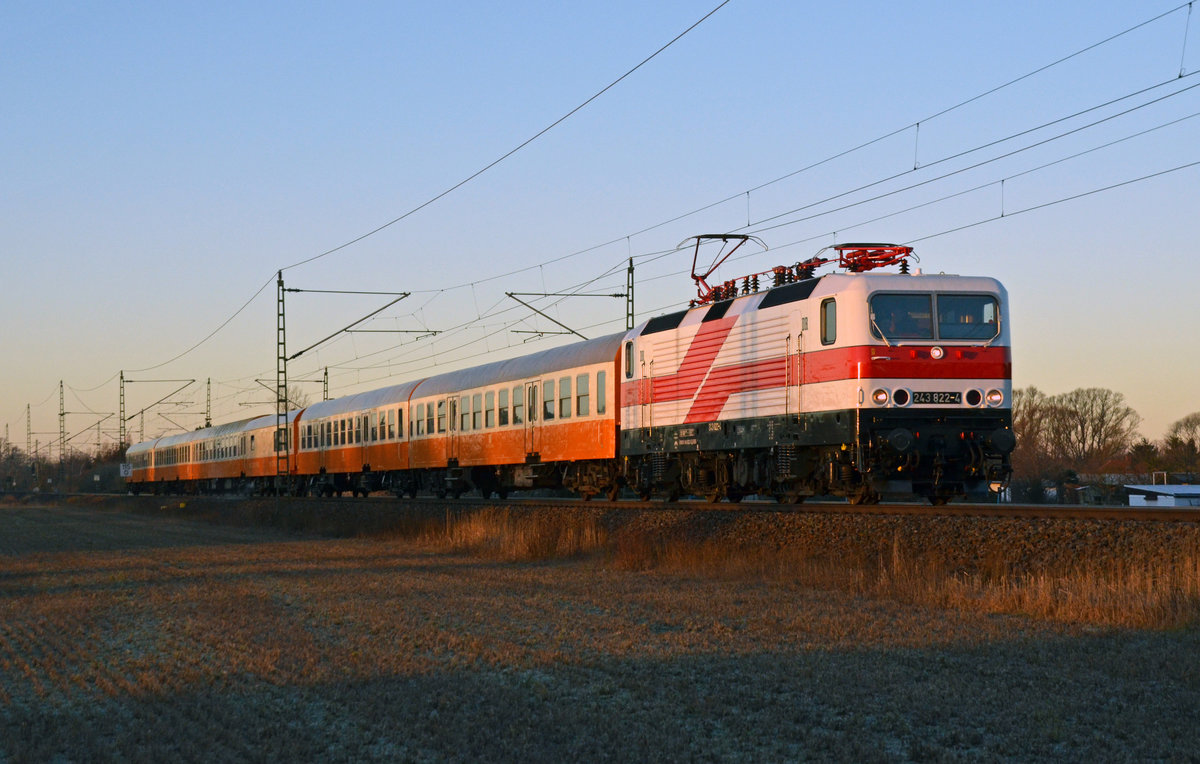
(506, 535)
(1157, 592)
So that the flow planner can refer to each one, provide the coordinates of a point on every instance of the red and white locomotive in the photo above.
(854, 384)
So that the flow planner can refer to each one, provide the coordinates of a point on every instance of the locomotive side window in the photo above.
(601, 392)
(902, 316)
(828, 321)
(967, 317)
(629, 360)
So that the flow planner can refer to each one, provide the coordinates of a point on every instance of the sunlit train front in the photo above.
(854, 384)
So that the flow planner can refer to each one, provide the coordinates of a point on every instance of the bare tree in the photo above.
(297, 398)
(1180, 448)
(1090, 427)
(1030, 410)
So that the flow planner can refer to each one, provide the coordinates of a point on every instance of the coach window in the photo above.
(533, 402)
(420, 420)
(629, 360)
(548, 400)
(477, 411)
(564, 397)
(375, 428)
(392, 423)
(503, 407)
(518, 404)
(601, 392)
(828, 321)
(464, 412)
(489, 409)
(441, 416)
(582, 395)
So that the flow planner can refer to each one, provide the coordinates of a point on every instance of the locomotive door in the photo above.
(794, 375)
(532, 441)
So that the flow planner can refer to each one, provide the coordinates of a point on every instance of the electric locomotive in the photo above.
(855, 384)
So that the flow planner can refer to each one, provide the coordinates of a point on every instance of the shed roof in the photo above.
(1165, 490)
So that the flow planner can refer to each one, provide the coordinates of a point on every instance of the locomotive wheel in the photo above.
(612, 493)
(863, 496)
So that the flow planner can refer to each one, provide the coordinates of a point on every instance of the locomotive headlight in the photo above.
(880, 397)
(936, 352)
(901, 397)
(995, 397)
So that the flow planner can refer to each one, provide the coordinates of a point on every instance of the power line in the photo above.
(539, 134)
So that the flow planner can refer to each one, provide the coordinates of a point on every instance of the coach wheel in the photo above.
(502, 493)
(939, 501)
(713, 497)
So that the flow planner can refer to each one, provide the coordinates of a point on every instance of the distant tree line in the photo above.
(1092, 431)
(77, 472)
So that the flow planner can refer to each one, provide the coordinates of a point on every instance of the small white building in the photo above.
(1163, 495)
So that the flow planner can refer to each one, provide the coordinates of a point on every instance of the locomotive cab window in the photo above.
(902, 316)
(967, 317)
(912, 317)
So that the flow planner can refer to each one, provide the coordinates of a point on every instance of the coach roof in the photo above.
(575, 355)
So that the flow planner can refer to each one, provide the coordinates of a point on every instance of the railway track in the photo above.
(430, 503)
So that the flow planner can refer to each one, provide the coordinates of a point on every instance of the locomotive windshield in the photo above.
(910, 316)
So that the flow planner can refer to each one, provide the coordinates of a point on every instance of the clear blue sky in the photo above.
(160, 162)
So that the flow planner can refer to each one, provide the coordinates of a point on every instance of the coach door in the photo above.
(532, 440)
(452, 429)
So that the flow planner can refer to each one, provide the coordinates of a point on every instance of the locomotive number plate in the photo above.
(919, 397)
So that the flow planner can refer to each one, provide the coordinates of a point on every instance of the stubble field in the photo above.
(151, 637)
